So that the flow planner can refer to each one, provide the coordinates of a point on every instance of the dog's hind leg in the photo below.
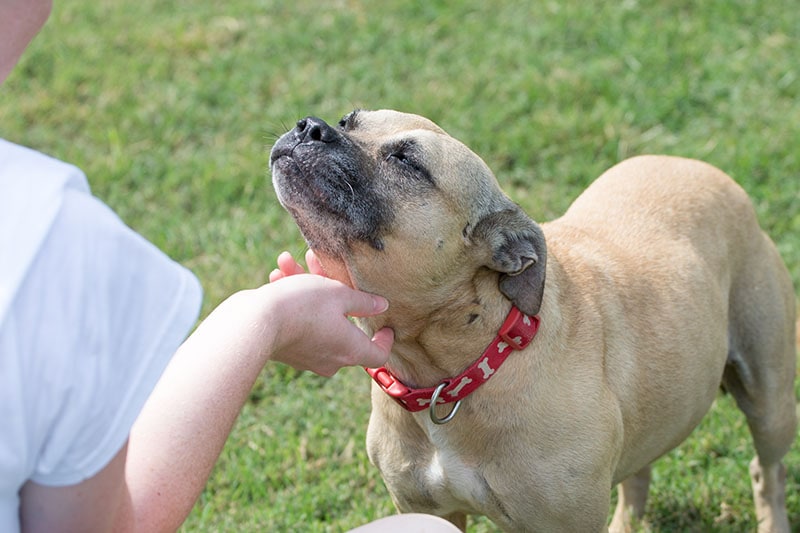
(770, 496)
(760, 374)
(631, 500)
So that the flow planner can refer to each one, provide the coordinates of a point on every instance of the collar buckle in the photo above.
(390, 384)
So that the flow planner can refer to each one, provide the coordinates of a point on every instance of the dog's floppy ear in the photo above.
(516, 248)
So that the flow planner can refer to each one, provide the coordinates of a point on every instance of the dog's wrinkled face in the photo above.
(394, 205)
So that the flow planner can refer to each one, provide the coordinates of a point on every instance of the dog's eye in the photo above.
(347, 121)
(400, 152)
(400, 157)
(403, 155)
(403, 158)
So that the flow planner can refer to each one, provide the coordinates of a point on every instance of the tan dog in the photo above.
(656, 287)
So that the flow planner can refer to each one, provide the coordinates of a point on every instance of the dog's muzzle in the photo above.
(325, 180)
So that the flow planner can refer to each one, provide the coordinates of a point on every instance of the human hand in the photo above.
(314, 332)
(287, 266)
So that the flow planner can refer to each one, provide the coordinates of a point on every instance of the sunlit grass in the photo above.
(170, 108)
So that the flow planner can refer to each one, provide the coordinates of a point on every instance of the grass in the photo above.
(170, 108)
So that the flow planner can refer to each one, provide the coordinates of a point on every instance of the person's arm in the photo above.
(300, 320)
(89, 506)
(20, 20)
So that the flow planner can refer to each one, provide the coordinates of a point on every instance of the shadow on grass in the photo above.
(672, 515)
(685, 517)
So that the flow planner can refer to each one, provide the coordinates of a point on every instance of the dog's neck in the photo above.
(434, 344)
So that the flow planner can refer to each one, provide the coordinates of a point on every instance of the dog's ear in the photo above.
(515, 247)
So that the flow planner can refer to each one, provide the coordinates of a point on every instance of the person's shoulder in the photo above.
(33, 185)
(32, 188)
(22, 168)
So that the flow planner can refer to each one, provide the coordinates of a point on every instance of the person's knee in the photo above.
(407, 523)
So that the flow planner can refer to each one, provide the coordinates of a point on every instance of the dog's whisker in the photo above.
(352, 192)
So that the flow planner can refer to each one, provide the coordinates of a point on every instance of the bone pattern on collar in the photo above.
(516, 333)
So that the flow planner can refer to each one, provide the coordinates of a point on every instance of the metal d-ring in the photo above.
(432, 410)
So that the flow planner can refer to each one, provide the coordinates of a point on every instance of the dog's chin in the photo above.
(329, 224)
(335, 267)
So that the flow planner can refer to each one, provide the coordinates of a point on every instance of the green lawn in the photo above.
(171, 107)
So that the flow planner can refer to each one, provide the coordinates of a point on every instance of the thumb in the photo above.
(384, 339)
(380, 348)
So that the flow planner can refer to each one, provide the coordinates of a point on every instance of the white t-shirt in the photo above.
(90, 314)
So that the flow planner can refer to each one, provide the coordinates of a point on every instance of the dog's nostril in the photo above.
(315, 132)
(315, 129)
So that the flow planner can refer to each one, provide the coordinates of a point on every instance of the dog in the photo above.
(620, 322)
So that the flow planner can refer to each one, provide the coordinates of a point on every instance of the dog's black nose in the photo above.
(314, 129)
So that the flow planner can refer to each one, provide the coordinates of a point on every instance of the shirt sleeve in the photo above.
(103, 310)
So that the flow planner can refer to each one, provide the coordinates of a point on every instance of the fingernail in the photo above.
(380, 304)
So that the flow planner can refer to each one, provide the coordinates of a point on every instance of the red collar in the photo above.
(516, 333)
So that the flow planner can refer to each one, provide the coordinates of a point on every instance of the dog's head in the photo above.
(393, 205)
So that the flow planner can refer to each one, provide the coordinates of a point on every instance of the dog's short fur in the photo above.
(656, 287)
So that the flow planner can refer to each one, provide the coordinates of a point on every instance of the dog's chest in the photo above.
(452, 481)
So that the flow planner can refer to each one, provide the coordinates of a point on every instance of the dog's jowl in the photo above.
(654, 289)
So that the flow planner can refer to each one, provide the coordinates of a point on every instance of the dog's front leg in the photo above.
(631, 500)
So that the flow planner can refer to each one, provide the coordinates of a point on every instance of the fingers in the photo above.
(354, 347)
(355, 350)
(314, 266)
(362, 304)
(287, 266)
(337, 341)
